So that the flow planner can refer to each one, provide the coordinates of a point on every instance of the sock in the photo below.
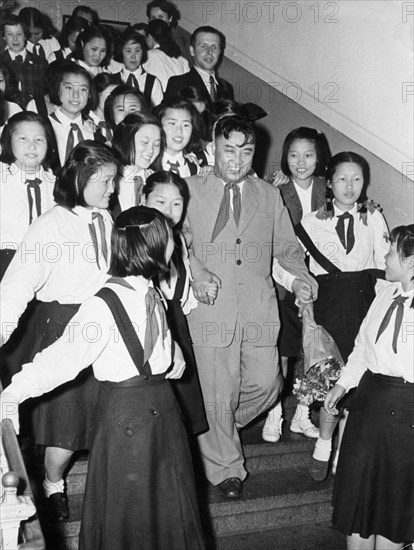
(322, 449)
(275, 414)
(51, 487)
(301, 413)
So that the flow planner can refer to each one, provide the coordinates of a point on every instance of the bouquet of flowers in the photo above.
(322, 363)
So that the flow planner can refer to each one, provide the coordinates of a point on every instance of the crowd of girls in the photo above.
(93, 186)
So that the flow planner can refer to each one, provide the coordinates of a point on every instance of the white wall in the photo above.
(354, 56)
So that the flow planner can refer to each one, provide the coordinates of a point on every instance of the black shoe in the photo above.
(58, 507)
(318, 469)
(231, 487)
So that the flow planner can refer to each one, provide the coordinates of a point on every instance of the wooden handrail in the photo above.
(31, 531)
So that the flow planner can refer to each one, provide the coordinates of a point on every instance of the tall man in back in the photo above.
(239, 224)
(206, 48)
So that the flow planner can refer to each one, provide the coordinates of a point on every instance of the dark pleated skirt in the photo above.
(187, 389)
(290, 335)
(63, 417)
(140, 489)
(374, 482)
(343, 301)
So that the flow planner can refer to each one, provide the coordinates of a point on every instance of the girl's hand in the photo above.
(178, 365)
(212, 290)
(9, 408)
(302, 291)
(205, 171)
(193, 158)
(279, 178)
(334, 395)
(200, 285)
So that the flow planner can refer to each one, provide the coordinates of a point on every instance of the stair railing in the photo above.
(16, 497)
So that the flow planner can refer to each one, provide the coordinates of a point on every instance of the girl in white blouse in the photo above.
(93, 50)
(140, 490)
(137, 142)
(374, 496)
(63, 260)
(347, 241)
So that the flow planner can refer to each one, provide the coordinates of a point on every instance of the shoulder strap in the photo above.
(322, 260)
(126, 329)
(149, 83)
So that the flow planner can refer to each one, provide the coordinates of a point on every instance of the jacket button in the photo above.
(154, 412)
(129, 431)
(146, 377)
(392, 413)
(238, 262)
(238, 241)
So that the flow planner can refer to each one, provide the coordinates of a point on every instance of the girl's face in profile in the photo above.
(147, 143)
(347, 183)
(94, 52)
(125, 104)
(166, 198)
(72, 40)
(100, 187)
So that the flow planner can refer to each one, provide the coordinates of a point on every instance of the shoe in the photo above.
(304, 426)
(231, 487)
(272, 430)
(318, 469)
(58, 507)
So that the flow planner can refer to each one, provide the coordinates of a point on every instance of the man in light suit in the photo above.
(238, 224)
(206, 48)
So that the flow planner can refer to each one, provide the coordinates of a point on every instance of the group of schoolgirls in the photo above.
(343, 232)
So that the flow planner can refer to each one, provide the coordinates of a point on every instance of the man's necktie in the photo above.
(39, 50)
(35, 185)
(213, 89)
(174, 167)
(71, 138)
(152, 331)
(398, 303)
(132, 81)
(223, 214)
(92, 230)
(340, 229)
(18, 59)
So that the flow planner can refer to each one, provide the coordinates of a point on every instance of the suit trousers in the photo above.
(239, 382)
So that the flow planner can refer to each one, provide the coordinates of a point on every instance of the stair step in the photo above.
(315, 536)
(271, 500)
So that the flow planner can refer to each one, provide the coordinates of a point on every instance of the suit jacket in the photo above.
(241, 256)
(192, 78)
(292, 202)
(30, 75)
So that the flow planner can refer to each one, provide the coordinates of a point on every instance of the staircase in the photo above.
(282, 507)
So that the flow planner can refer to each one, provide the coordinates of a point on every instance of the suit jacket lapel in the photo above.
(250, 204)
(200, 83)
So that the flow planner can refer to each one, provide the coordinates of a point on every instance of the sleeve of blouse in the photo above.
(26, 274)
(156, 94)
(76, 349)
(381, 238)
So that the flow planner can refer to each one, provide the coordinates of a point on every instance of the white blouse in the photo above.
(62, 129)
(126, 185)
(14, 202)
(92, 337)
(55, 261)
(379, 357)
(163, 66)
(371, 241)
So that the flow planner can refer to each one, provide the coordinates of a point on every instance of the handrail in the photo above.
(31, 532)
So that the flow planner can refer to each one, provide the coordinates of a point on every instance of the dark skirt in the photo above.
(140, 488)
(63, 417)
(187, 389)
(374, 482)
(290, 334)
(343, 301)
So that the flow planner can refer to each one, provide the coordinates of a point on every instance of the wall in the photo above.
(343, 67)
